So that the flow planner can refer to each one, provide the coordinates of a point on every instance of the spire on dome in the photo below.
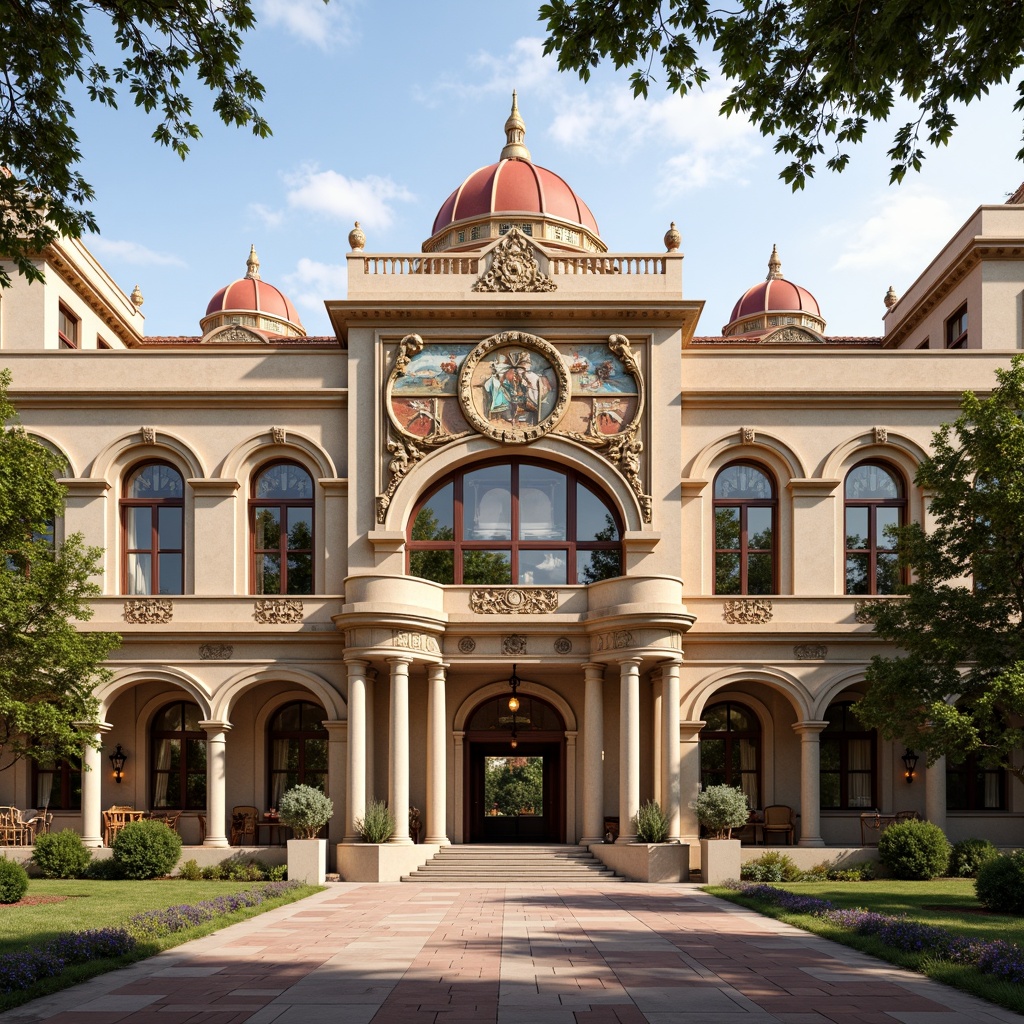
(515, 132)
(252, 265)
(774, 266)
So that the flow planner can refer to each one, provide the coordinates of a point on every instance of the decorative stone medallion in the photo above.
(513, 645)
(467, 645)
(563, 645)
(148, 611)
(508, 600)
(748, 612)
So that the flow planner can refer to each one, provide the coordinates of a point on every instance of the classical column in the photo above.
(355, 792)
(670, 745)
(92, 782)
(437, 774)
(593, 754)
(398, 750)
(810, 782)
(370, 735)
(629, 747)
(657, 737)
(337, 753)
(689, 781)
(216, 780)
(935, 792)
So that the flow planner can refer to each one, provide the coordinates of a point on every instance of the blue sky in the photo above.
(380, 110)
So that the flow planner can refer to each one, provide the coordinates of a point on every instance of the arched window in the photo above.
(281, 526)
(152, 527)
(730, 749)
(875, 501)
(178, 766)
(745, 509)
(298, 749)
(848, 754)
(515, 522)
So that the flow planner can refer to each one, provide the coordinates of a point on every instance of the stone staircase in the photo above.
(513, 864)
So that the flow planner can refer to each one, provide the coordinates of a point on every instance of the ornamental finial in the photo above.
(357, 238)
(774, 266)
(136, 297)
(515, 133)
(891, 298)
(673, 238)
(252, 265)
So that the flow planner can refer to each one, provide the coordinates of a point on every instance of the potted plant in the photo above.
(719, 810)
(305, 811)
(651, 858)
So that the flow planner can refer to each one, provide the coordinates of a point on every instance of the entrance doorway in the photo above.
(515, 773)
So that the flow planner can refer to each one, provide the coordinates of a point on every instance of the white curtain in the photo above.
(163, 763)
(279, 776)
(859, 773)
(748, 767)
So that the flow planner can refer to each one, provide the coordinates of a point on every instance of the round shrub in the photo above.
(771, 867)
(651, 823)
(13, 881)
(61, 854)
(103, 869)
(914, 850)
(1000, 883)
(720, 809)
(968, 855)
(305, 811)
(146, 849)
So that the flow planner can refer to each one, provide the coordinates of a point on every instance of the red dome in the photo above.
(775, 296)
(250, 295)
(514, 187)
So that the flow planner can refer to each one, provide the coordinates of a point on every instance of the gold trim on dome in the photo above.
(514, 267)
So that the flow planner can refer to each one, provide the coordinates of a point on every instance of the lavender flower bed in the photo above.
(1004, 960)
(188, 915)
(21, 970)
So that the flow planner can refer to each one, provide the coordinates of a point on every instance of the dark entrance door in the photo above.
(516, 796)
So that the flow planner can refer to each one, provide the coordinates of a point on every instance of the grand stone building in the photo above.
(517, 456)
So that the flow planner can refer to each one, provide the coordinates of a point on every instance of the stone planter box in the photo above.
(719, 860)
(307, 861)
(381, 862)
(646, 862)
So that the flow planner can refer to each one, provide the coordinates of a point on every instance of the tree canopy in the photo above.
(48, 47)
(812, 75)
(958, 685)
(48, 667)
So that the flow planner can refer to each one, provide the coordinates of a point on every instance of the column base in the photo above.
(401, 841)
(437, 841)
(590, 840)
(625, 838)
(811, 842)
(93, 842)
(218, 842)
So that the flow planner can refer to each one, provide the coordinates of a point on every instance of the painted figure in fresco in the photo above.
(515, 391)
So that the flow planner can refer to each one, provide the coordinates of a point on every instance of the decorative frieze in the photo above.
(277, 611)
(513, 600)
(216, 652)
(514, 644)
(613, 641)
(148, 611)
(748, 611)
(810, 652)
(415, 641)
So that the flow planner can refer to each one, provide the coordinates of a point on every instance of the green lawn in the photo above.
(110, 904)
(918, 900)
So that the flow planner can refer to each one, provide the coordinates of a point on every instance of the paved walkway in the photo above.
(442, 954)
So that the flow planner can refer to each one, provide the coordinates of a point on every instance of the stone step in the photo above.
(513, 865)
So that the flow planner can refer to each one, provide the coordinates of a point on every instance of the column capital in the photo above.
(809, 727)
(438, 668)
(215, 726)
(100, 727)
(336, 729)
(354, 661)
(400, 659)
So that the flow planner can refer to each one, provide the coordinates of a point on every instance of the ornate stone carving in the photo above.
(415, 641)
(467, 645)
(407, 348)
(793, 336)
(514, 268)
(236, 334)
(860, 611)
(748, 611)
(747, 435)
(514, 644)
(810, 652)
(614, 641)
(513, 600)
(404, 455)
(563, 645)
(148, 611)
(149, 435)
(216, 652)
(279, 434)
(277, 611)
(881, 435)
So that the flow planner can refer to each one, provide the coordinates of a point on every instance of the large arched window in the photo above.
(298, 749)
(848, 754)
(745, 509)
(281, 526)
(153, 530)
(875, 501)
(178, 766)
(515, 522)
(730, 749)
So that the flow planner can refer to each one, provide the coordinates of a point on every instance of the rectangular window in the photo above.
(67, 329)
(956, 329)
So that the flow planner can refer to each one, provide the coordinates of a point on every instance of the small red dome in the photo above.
(250, 302)
(775, 296)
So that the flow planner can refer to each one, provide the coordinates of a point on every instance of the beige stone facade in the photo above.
(628, 665)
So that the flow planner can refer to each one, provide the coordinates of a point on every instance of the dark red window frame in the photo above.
(744, 551)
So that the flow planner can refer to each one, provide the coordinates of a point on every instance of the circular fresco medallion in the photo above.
(514, 387)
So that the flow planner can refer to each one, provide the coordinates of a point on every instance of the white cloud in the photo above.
(311, 283)
(369, 200)
(272, 218)
(132, 253)
(311, 21)
(905, 229)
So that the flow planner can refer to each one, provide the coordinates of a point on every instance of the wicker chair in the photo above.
(14, 830)
(243, 824)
